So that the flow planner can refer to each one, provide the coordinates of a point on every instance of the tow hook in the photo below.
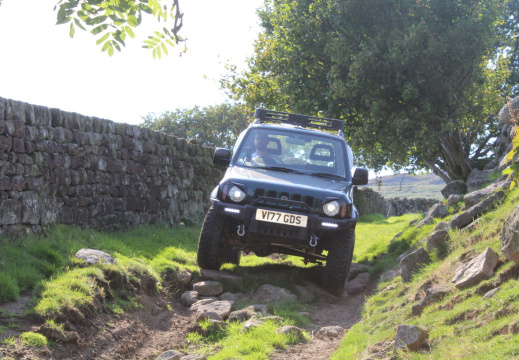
(313, 240)
(241, 230)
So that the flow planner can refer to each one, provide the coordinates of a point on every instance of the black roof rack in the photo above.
(296, 119)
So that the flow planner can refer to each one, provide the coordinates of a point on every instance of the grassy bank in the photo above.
(464, 325)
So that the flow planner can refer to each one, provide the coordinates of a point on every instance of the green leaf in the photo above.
(154, 53)
(110, 51)
(159, 53)
(106, 45)
(99, 29)
(159, 35)
(117, 20)
(96, 20)
(129, 31)
(510, 156)
(63, 16)
(132, 21)
(164, 48)
(150, 43)
(69, 5)
(119, 39)
(145, 8)
(79, 25)
(72, 30)
(105, 36)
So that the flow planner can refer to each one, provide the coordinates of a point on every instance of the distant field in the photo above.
(426, 186)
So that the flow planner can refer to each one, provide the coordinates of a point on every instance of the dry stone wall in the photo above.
(64, 167)
(369, 201)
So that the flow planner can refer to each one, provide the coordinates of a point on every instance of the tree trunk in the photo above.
(451, 163)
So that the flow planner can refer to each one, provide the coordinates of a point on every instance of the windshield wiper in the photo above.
(324, 174)
(280, 168)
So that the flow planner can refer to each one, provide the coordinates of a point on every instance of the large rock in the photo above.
(461, 220)
(216, 310)
(437, 241)
(478, 178)
(454, 199)
(92, 256)
(358, 285)
(475, 197)
(510, 237)
(267, 293)
(170, 355)
(413, 262)
(409, 337)
(208, 288)
(505, 115)
(438, 210)
(356, 269)
(221, 276)
(457, 187)
(330, 332)
(478, 269)
(291, 330)
(188, 298)
(253, 311)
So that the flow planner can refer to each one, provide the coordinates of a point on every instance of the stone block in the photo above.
(10, 212)
(412, 263)
(478, 269)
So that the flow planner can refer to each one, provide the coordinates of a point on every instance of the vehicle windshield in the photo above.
(291, 151)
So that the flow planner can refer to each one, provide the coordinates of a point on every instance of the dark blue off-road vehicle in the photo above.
(287, 189)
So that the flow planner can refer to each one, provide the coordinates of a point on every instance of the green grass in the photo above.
(461, 326)
(33, 339)
(255, 343)
(374, 233)
(26, 262)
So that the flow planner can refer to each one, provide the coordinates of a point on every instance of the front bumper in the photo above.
(316, 224)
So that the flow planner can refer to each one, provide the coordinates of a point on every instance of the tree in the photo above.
(214, 126)
(418, 83)
(115, 20)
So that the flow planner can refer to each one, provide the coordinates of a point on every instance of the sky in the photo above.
(40, 64)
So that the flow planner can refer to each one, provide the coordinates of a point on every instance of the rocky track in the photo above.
(162, 324)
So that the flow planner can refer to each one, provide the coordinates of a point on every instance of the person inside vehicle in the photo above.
(262, 156)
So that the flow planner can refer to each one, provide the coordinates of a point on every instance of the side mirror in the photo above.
(222, 157)
(360, 176)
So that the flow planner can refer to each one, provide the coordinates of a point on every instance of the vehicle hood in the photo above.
(281, 181)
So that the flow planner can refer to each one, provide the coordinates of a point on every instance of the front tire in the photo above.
(210, 241)
(338, 261)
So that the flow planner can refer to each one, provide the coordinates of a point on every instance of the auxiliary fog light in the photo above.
(331, 208)
(236, 194)
(232, 210)
(329, 225)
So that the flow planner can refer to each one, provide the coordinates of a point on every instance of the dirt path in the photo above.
(345, 313)
(161, 324)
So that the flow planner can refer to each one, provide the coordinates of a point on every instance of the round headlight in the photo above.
(236, 194)
(331, 208)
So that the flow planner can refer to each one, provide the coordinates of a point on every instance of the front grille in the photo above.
(259, 193)
(308, 200)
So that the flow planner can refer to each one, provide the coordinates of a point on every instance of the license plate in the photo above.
(281, 218)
